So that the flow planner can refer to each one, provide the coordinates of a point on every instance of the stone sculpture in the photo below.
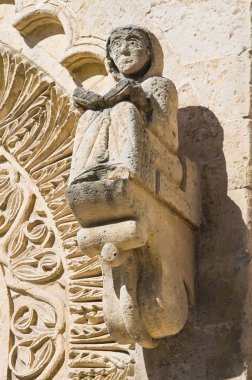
(125, 191)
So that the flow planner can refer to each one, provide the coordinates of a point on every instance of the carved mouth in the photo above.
(126, 60)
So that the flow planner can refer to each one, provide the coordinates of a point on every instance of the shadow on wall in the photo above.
(209, 347)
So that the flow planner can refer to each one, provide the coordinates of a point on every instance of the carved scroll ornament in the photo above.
(125, 191)
(43, 280)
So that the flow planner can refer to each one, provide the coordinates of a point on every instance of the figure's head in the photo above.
(129, 49)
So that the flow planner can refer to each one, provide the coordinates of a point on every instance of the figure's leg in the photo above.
(125, 135)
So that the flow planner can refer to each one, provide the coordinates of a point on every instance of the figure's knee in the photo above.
(126, 110)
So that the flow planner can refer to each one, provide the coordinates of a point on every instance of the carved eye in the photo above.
(116, 44)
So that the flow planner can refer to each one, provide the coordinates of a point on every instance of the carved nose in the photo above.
(125, 49)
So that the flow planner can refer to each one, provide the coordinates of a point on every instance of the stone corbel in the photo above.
(146, 250)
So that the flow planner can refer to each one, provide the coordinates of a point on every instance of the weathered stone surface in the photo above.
(206, 46)
(117, 173)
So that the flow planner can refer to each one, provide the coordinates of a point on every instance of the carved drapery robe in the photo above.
(111, 136)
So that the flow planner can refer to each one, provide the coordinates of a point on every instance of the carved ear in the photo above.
(109, 63)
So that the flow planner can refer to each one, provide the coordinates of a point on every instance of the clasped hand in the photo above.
(126, 89)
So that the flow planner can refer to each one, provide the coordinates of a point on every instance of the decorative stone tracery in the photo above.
(51, 305)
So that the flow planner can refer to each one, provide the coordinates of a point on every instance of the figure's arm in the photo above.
(126, 89)
(141, 101)
(164, 100)
(131, 91)
(88, 99)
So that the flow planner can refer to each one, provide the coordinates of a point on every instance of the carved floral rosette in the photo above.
(50, 304)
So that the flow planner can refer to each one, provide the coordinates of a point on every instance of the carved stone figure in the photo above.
(124, 181)
(132, 97)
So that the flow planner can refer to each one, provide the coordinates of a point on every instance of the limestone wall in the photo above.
(206, 46)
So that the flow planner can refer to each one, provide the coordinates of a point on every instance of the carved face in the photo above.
(130, 50)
